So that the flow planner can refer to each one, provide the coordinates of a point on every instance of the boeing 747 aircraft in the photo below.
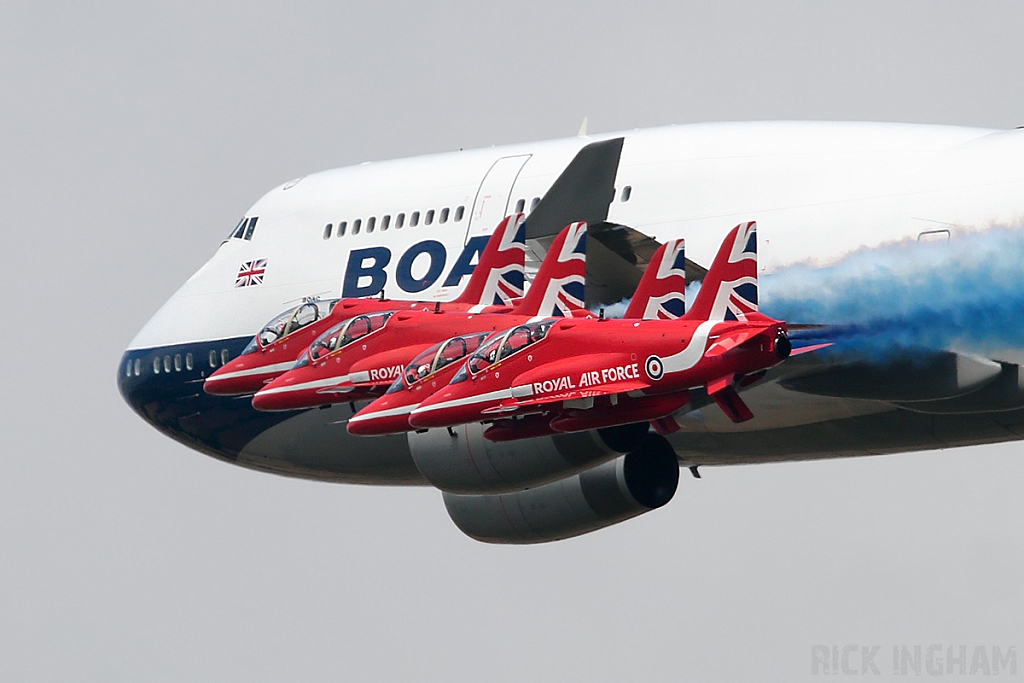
(895, 254)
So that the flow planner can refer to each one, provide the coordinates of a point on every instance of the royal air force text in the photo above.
(590, 378)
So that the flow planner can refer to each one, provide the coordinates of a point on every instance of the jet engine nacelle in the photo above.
(630, 485)
(461, 460)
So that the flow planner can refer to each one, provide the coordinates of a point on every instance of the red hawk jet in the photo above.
(495, 283)
(573, 375)
(361, 357)
(660, 295)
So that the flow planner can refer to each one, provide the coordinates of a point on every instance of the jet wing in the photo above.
(845, 362)
(851, 372)
(897, 376)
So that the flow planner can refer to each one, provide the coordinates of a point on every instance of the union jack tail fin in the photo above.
(661, 294)
(729, 290)
(498, 277)
(557, 290)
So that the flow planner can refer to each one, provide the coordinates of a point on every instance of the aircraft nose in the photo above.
(228, 384)
(381, 417)
(237, 377)
(150, 379)
(129, 370)
(427, 416)
(275, 396)
(248, 373)
(290, 392)
(164, 385)
(367, 425)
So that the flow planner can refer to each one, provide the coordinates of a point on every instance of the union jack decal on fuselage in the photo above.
(251, 273)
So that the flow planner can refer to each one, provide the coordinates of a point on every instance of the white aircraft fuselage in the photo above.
(825, 196)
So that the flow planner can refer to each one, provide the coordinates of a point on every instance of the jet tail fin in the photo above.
(661, 293)
(557, 289)
(729, 290)
(499, 276)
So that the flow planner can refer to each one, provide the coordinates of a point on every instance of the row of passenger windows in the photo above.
(245, 228)
(357, 226)
(521, 203)
(371, 224)
(175, 363)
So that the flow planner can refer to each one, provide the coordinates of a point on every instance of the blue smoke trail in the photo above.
(966, 295)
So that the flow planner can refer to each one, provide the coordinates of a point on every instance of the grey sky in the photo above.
(133, 136)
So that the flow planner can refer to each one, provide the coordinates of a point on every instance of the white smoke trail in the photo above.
(617, 310)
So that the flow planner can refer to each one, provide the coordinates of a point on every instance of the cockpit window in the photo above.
(519, 338)
(294, 319)
(327, 341)
(457, 348)
(245, 228)
(420, 365)
(359, 327)
(307, 313)
(486, 355)
(275, 329)
(345, 333)
(441, 355)
(506, 344)
(452, 350)
(252, 347)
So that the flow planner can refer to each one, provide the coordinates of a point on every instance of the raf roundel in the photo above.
(654, 367)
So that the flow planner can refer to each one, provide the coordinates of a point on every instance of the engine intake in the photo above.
(630, 485)
(463, 461)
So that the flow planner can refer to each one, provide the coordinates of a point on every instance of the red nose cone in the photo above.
(285, 393)
(301, 388)
(235, 378)
(379, 425)
(246, 374)
(437, 411)
(389, 414)
(228, 386)
(420, 419)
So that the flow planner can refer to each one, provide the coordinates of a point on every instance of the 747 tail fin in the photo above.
(558, 288)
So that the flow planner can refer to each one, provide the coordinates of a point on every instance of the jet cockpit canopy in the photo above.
(344, 333)
(437, 357)
(504, 345)
(292, 320)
